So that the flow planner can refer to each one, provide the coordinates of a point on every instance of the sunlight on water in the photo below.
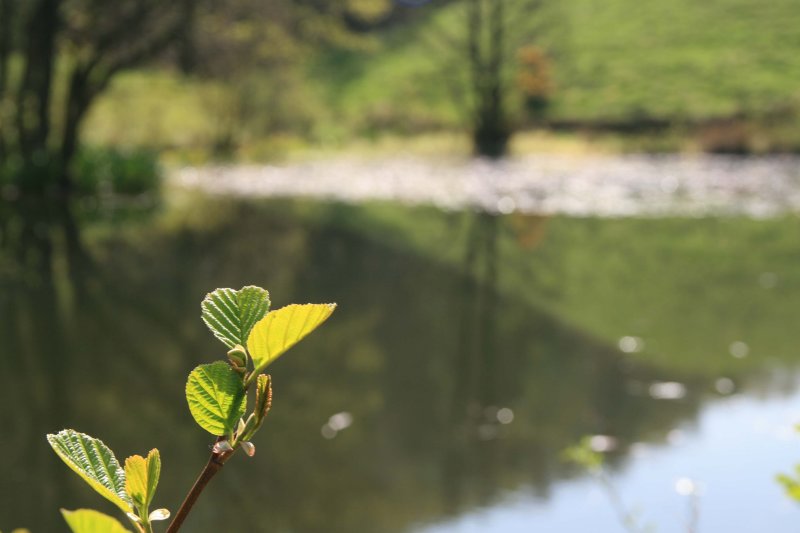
(668, 390)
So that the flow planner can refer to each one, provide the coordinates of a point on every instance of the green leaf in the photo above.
(90, 521)
(95, 463)
(283, 328)
(216, 397)
(141, 478)
(230, 314)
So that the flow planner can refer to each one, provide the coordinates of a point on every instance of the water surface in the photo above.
(468, 351)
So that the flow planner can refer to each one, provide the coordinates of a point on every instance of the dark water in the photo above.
(468, 350)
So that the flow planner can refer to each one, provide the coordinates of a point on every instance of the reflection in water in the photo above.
(457, 392)
(41, 260)
(468, 467)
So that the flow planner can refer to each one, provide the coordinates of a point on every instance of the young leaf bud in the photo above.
(249, 448)
(159, 514)
(263, 397)
(246, 428)
(222, 447)
(238, 357)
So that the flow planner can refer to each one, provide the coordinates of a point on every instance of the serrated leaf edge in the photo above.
(115, 494)
(220, 304)
(257, 344)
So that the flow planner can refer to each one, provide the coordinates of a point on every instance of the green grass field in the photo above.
(617, 60)
(611, 59)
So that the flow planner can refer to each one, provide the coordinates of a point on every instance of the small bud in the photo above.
(134, 517)
(159, 514)
(249, 448)
(263, 396)
(222, 447)
(246, 428)
(238, 357)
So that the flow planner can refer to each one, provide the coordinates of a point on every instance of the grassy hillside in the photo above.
(616, 60)
(612, 59)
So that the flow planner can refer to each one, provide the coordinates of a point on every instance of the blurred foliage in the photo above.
(132, 172)
(583, 456)
(534, 80)
(96, 170)
(56, 58)
(622, 59)
(586, 458)
(722, 75)
(791, 482)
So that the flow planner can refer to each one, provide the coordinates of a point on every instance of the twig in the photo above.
(214, 465)
(627, 518)
(694, 513)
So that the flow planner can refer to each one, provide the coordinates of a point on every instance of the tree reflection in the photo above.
(39, 254)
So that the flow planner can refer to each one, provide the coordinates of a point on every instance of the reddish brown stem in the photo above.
(214, 465)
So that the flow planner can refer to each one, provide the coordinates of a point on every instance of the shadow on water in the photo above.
(458, 392)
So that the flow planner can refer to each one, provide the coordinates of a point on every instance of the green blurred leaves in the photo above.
(583, 455)
(216, 397)
(791, 485)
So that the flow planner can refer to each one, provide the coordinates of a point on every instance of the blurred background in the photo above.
(563, 237)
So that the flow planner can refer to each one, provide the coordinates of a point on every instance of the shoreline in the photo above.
(584, 185)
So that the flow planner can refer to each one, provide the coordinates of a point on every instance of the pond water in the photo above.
(468, 351)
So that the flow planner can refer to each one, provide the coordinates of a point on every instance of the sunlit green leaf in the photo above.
(230, 314)
(282, 329)
(95, 463)
(141, 477)
(90, 521)
(216, 397)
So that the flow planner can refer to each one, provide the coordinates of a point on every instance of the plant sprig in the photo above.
(217, 396)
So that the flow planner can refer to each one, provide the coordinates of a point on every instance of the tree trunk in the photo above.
(33, 99)
(6, 16)
(78, 100)
(486, 41)
(187, 52)
(491, 136)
